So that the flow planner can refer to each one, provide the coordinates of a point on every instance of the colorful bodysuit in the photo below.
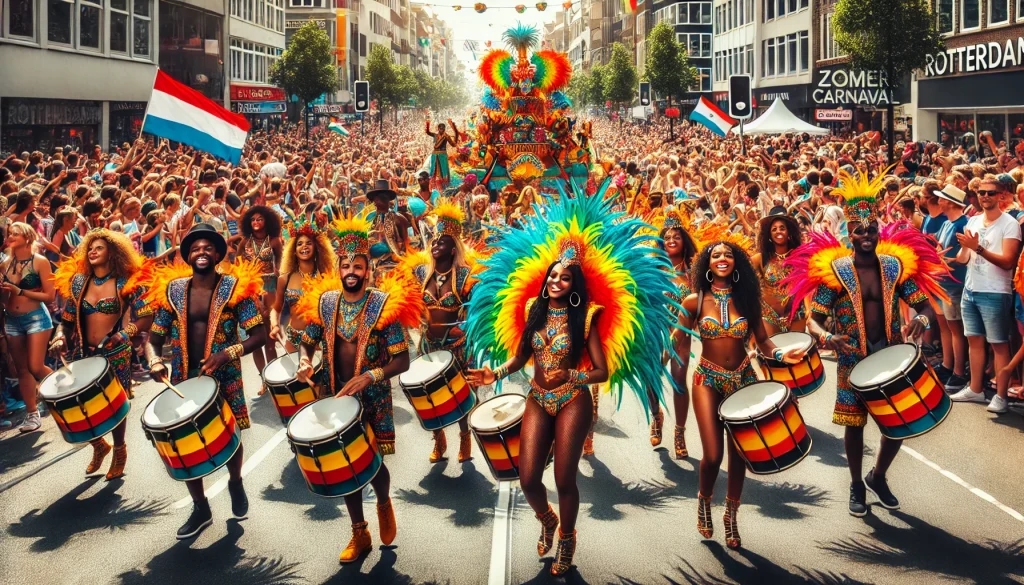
(723, 380)
(771, 278)
(550, 352)
(451, 302)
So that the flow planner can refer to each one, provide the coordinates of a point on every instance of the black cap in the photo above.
(203, 231)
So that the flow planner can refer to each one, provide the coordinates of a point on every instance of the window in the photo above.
(142, 27)
(308, 3)
(791, 51)
(18, 18)
(805, 52)
(703, 82)
(265, 13)
(696, 44)
(769, 10)
(944, 14)
(971, 14)
(769, 62)
(780, 8)
(119, 26)
(1020, 12)
(61, 16)
(998, 13)
(251, 62)
(90, 16)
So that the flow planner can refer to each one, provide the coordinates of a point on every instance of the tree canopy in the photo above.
(620, 79)
(307, 68)
(667, 67)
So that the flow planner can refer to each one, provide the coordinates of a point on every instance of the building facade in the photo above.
(257, 39)
(693, 21)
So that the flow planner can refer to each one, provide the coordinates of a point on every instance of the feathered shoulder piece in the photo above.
(142, 279)
(163, 274)
(404, 303)
(918, 258)
(811, 265)
(1018, 276)
(64, 275)
(308, 305)
(415, 262)
(248, 280)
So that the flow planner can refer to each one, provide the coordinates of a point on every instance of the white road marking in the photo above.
(501, 537)
(251, 463)
(956, 479)
(37, 469)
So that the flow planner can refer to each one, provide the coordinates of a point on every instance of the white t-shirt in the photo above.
(982, 275)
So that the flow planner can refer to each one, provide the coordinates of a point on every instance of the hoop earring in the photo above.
(708, 276)
(544, 292)
(579, 299)
(735, 276)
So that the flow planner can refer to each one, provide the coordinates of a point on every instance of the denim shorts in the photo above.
(987, 314)
(32, 322)
(951, 310)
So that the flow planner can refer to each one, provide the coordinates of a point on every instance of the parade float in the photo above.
(524, 130)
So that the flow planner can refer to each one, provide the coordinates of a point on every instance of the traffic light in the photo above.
(645, 93)
(739, 96)
(362, 96)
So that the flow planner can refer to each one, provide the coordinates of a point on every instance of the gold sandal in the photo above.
(704, 525)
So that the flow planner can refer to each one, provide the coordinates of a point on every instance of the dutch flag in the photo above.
(708, 114)
(182, 114)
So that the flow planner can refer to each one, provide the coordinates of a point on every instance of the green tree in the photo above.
(620, 80)
(307, 68)
(579, 89)
(667, 67)
(386, 80)
(890, 36)
(595, 89)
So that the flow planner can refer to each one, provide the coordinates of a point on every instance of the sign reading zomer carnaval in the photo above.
(842, 86)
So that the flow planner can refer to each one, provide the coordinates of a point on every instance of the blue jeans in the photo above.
(987, 314)
(32, 322)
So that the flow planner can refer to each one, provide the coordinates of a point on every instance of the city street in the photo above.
(960, 522)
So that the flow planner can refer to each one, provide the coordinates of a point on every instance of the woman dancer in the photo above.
(780, 235)
(102, 282)
(308, 254)
(569, 291)
(260, 242)
(681, 249)
(27, 287)
(725, 311)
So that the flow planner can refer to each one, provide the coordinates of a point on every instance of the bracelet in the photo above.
(778, 354)
(500, 372)
(376, 374)
(578, 376)
(924, 321)
(130, 330)
(236, 351)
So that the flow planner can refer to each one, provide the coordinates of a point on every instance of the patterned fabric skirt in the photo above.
(378, 412)
(722, 380)
(439, 167)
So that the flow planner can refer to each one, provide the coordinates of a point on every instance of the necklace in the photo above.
(722, 296)
(782, 256)
(680, 268)
(348, 326)
(101, 280)
(442, 277)
(557, 319)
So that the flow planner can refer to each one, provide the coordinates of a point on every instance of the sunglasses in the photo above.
(987, 193)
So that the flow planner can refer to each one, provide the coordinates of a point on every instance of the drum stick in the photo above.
(167, 383)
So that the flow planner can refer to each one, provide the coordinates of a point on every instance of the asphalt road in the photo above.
(961, 490)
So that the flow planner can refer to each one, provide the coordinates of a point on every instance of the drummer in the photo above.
(866, 320)
(97, 283)
(186, 308)
(364, 348)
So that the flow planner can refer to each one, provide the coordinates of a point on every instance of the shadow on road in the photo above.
(19, 450)
(222, 562)
(70, 516)
(1011, 419)
(544, 577)
(925, 547)
(469, 496)
(382, 573)
(831, 450)
(293, 490)
(606, 428)
(262, 412)
(605, 493)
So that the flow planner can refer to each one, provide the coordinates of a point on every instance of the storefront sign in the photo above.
(975, 58)
(248, 93)
(833, 115)
(259, 107)
(55, 112)
(127, 107)
(841, 85)
(327, 109)
(795, 96)
(320, 23)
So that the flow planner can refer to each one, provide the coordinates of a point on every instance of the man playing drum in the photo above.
(201, 309)
(364, 347)
(860, 290)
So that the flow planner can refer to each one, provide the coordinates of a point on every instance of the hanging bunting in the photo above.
(457, 7)
(424, 42)
(567, 5)
(520, 8)
(542, 6)
(480, 7)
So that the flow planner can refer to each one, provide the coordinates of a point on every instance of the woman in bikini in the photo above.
(308, 254)
(780, 235)
(725, 310)
(98, 285)
(26, 287)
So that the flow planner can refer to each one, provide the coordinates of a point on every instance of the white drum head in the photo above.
(753, 401)
(792, 340)
(72, 378)
(883, 365)
(168, 409)
(425, 367)
(498, 412)
(283, 369)
(323, 418)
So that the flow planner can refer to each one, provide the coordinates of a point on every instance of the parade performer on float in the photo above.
(860, 290)
(725, 311)
(364, 347)
(307, 255)
(446, 281)
(570, 293)
(102, 282)
(780, 235)
(440, 173)
(201, 307)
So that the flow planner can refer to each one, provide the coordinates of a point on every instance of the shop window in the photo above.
(944, 14)
(19, 18)
(60, 17)
(1020, 10)
(998, 11)
(994, 123)
(119, 26)
(956, 126)
(970, 14)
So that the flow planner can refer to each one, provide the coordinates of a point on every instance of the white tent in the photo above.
(778, 120)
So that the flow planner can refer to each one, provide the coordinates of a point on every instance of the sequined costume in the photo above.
(720, 379)
(772, 275)
(384, 241)
(263, 256)
(549, 351)
(452, 302)
(440, 174)
(291, 296)
(234, 305)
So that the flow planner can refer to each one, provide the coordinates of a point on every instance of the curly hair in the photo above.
(323, 255)
(746, 292)
(765, 244)
(271, 221)
(689, 245)
(121, 255)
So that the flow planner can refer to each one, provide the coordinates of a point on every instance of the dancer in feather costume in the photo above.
(860, 290)
(578, 292)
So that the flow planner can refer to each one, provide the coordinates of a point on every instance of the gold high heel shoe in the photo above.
(440, 446)
(566, 550)
(704, 526)
(732, 530)
(100, 450)
(680, 441)
(659, 420)
(548, 524)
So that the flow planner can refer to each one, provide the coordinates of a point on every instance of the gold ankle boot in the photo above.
(566, 550)
(659, 420)
(117, 464)
(387, 523)
(440, 446)
(681, 452)
(732, 530)
(360, 544)
(465, 447)
(100, 449)
(704, 525)
(548, 524)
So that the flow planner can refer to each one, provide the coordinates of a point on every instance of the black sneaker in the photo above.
(239, 501)
(956, 383)
(200, 518)
(858, 500)
(943, 374)
(880, 488)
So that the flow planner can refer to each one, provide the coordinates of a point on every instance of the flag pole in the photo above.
(146, 115)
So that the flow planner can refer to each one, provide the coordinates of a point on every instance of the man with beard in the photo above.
(364, 343)
(861, 292)
(187, 308)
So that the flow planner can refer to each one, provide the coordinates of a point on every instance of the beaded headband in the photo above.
(571, 253)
